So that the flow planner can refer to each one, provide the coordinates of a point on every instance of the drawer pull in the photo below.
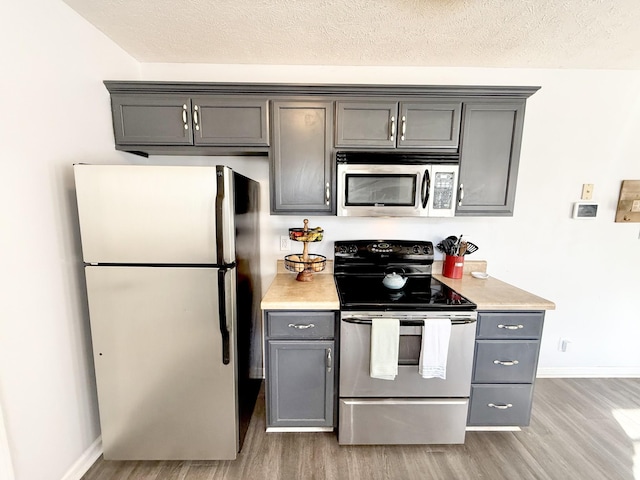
(329, 360)
(301, 326)
(509, 363)
(499, 407)
(511, 327)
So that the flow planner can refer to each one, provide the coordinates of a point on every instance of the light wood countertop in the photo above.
(491, 293)
(286, 293)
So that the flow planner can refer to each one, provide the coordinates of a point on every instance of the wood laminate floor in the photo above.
(580, 429)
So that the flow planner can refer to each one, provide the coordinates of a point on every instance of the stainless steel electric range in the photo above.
(392, 279)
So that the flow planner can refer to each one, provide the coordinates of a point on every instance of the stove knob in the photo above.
(353, 249)
(416, 249)
(427, 251)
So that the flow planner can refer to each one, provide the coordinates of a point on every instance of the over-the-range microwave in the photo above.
(396, 184)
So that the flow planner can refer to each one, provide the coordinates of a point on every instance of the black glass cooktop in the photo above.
(423, 292)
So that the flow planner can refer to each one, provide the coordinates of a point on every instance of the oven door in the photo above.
(355, 341)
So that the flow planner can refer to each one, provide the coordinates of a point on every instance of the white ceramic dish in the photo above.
(481, 275)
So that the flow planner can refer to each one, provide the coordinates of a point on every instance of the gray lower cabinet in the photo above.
(175, 119)
(428, 125)
(303, 170)
(489, 157)
(505, 363)
(300, 369)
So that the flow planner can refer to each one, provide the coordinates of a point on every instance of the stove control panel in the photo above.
(384, 249)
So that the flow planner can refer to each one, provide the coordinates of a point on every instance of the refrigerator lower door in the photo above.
(164, 392)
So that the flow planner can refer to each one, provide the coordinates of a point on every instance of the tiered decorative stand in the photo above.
(305, 264)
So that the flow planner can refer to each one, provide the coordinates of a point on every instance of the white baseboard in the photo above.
(588, 372)
(86, 460)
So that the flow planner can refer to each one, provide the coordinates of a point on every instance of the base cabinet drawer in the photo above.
(500, 405)
(510, 325)
(499, 361)
(401, 421)
(298, 325)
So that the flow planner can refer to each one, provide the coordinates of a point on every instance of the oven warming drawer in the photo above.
(402, 421)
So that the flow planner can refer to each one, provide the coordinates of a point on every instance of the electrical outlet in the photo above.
(285, 243)
(587, 191)
(564, 345)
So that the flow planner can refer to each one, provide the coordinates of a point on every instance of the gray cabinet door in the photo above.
(489, 157)
(302, 170)
(152, 119)
(366, 124)
(230, 121)
(429, 125)
(300, 383)
(390, 124)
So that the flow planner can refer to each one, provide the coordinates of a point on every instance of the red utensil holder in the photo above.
(453, 266)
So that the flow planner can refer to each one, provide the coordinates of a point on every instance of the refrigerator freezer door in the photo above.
(163, 390)
(143, 214)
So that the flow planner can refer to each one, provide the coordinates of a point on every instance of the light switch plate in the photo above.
(587, 191)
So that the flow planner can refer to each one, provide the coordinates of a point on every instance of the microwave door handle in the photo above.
(426, 186)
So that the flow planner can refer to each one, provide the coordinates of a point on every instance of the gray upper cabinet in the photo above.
(152, 119)
(184, 120)
(300, 126)
(421, 125)
(489, 157)
(234, 121)
(302, 173)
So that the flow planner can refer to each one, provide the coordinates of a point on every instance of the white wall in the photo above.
(581, 127)
(54, 112)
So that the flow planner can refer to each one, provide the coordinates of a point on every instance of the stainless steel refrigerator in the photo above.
(171, 259)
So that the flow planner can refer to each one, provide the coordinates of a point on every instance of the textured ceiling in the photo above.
(593, 34)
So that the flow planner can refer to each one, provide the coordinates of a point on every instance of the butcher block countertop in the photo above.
(286, 293)
(491, 293)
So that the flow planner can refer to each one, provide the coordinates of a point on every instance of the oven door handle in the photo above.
(426, 186)
(360, 320)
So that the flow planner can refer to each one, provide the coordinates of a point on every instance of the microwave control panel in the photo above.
(443, 189)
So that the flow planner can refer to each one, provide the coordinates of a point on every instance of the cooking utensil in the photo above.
(463, 248)
(471, 247)
(448, 245)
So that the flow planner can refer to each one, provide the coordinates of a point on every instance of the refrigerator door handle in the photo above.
(222, 313)
(224, 216)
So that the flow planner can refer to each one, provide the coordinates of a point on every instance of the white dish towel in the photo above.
(385, 341)
(435, 348)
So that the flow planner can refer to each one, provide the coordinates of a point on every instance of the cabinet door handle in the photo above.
(511, 327)
(327, 193)
(301, 326)
(196, 120)
(404, 127)
(329, 360)
(460, 194)
(184, 117)
(393, 128)
(507, 363)
(499, 407)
